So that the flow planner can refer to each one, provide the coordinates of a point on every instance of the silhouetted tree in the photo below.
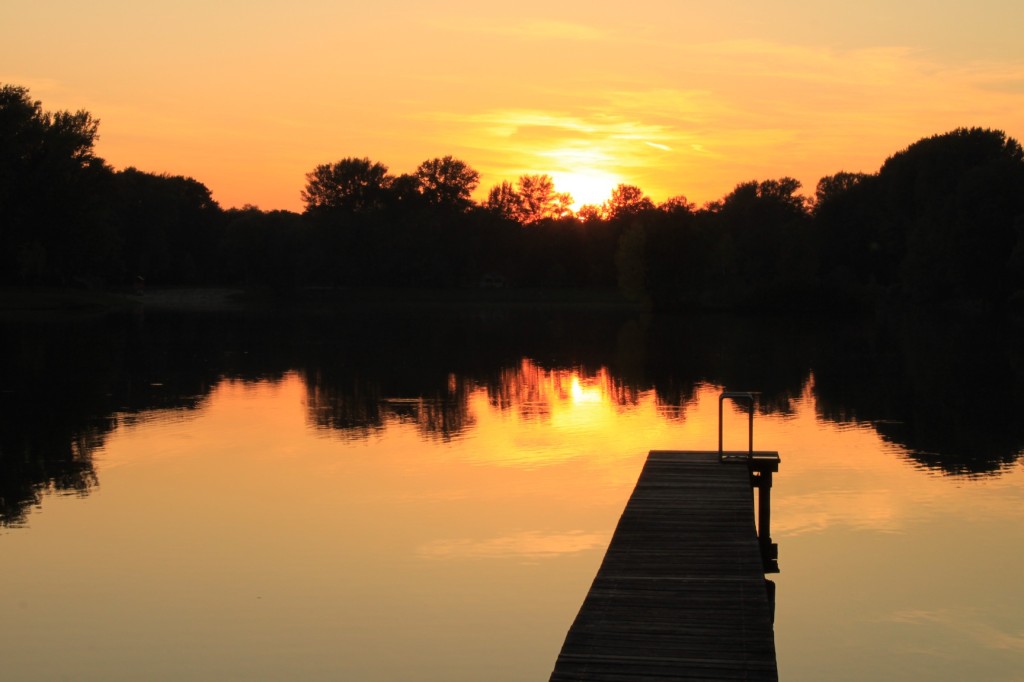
(767, 256)
(538, 199)
(503, 200)
(627, 200)
(52, 187)
(673, 264)
(858, 260)
(447, 182)
(631, 263)
(405, 193)
(270, 249)
(170, 228)
(677, 204)
(952, 201)
(351, 184)
(832, 187)
(590, 213)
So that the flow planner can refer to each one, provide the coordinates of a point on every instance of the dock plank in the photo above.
(681, 592)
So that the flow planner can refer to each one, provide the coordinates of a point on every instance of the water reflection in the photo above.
(947, 395)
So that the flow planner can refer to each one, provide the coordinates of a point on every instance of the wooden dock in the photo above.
(681, 593)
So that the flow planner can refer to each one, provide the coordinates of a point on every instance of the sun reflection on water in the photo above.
(540, 417)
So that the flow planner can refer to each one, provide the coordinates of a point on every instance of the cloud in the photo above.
(595, 139)
(730, 111)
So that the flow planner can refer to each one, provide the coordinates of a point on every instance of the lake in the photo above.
(427, 496)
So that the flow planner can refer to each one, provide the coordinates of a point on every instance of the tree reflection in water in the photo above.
(948, 393)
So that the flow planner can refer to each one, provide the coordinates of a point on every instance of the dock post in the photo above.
(761, 470)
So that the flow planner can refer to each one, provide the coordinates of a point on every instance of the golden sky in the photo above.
(675, 96)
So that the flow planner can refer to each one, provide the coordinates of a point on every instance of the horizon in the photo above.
(675, 98)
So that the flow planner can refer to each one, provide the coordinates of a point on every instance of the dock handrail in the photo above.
(751, 398)
(761, 466)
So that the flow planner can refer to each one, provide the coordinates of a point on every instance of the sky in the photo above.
(676, 97)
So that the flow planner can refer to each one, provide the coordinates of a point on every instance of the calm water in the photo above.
(358, 497)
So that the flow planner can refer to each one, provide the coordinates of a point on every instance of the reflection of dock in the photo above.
(681, 593)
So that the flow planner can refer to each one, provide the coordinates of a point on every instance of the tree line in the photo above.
(940, 222)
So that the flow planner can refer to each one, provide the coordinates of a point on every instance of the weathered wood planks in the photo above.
(681, 593)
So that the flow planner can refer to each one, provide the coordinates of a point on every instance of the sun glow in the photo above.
(588, 394)
(586, 187)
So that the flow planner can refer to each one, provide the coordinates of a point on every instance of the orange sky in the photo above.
(675, 96)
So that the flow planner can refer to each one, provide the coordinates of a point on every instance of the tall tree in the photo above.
(447, 182)
(627, 200)
(857, 259)
(503, 199)
(678, 204)
(832, 187)
(952, 201)
(538, 199)
(762, 242)
(351, 184)
(51, 191)
(169, 226)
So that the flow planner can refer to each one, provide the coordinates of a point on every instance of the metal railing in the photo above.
(761, 466)
(751, 398)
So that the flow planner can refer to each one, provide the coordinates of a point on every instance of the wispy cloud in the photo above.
(567, 140)
(710, 115)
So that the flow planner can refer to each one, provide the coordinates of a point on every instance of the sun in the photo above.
(586, 187)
